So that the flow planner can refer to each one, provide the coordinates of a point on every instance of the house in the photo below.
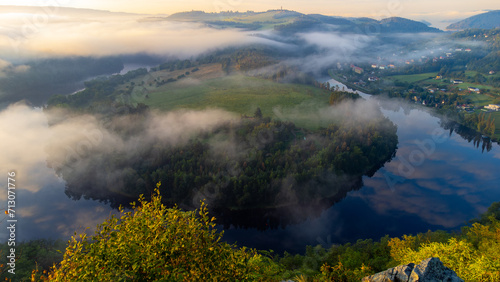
(372, 78)
(357, 69)
(374, 66)
(474, 89)
(391, 66)
(382, 67)
(439, 77)
(493, 107)
(468, 50)
(492, 72)
(456, 81)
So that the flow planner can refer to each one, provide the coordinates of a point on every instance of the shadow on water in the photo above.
(477, 139)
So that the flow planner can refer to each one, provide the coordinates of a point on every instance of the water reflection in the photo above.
(477, 139)
(438, 185)
(438, 180)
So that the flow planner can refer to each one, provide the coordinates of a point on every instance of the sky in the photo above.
(430, 10)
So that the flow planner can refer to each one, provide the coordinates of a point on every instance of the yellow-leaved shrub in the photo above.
(474, 255)
(153, 243)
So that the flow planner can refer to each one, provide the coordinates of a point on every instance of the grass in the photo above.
(466, 85)
(473, 73)
(235, 93)
(480, 99)
(412, 78)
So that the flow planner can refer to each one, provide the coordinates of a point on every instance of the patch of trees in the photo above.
(248, 59)
(271, 156)
(176, 65)
(337, 97)
(96, 91)
(230, 24)
(487, 63)
(286, 74)
(481, 122)
(35, 255)
(299, 24)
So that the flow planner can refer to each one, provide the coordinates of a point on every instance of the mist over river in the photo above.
(438, 180)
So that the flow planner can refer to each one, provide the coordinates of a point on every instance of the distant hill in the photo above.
(487, 20)
(396, 24)
(291, 21)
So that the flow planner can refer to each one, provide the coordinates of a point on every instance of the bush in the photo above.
(474, 255)
(152, 243)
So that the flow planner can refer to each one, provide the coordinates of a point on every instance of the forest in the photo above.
(277, 164)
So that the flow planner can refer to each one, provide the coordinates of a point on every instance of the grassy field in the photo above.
(473, 73)
(411, 78)
(238, 93)
(211, 88)
(466, 85)
(480, 99)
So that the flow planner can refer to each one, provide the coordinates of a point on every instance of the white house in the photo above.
(474, 89)
(493, 107)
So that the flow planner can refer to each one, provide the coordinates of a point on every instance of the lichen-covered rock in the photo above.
(429, 270)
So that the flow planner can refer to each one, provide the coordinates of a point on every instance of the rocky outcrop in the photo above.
(429, 270)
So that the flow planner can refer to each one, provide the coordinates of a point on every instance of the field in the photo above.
(412, 78)
(211, 88)
(480, 99)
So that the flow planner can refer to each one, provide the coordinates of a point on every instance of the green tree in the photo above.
(258, 113)
(154, 243)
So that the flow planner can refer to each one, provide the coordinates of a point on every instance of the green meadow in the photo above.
(412, 78)
(236, 93)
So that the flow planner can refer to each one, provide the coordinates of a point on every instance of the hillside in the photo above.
(397, 24)
(484, 21)
(291, 22)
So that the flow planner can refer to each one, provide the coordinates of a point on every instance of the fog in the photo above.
(74, 142)
(45, 32)
(44, 147)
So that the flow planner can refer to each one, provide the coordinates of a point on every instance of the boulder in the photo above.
(429, 270)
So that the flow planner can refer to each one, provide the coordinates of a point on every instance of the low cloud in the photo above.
(60, 32)
(33, 139)
(7, 68)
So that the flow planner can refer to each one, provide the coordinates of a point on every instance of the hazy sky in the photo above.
(431, 10)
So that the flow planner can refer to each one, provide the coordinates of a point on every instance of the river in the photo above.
(438, 180)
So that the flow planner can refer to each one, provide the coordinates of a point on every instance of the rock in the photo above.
(429, 270)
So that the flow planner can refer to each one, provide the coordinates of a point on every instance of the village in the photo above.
(435, 77)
